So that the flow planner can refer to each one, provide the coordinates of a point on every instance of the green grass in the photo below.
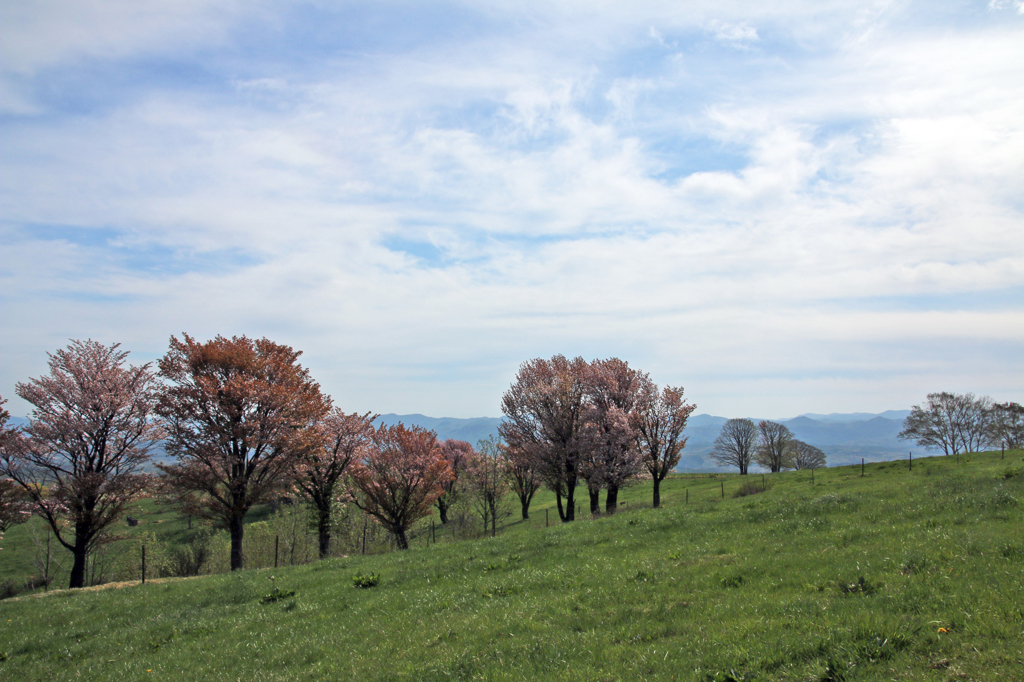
(893, 575)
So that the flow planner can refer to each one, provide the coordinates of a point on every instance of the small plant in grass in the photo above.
(365, 580)
(1012, 473)
(862, 586)
(732, 581)
(1012, 552)
(277, 594)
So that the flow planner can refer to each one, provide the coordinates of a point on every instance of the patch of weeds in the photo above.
(675, 556)
(732, 581)
(1013, 552)
(1013, 472)
(913, 564)
(643, 577)
(365, 580)
(499, 591)
(861, 586)
(750, 488)
(730, 675)
(441, 639)
(277, 594)
(831, 501)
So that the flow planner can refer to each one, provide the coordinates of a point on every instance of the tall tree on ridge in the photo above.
(89, 434)
(240, 415)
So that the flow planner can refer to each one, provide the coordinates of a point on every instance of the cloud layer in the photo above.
(813, 207)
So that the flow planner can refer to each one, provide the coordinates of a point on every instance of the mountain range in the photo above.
(845, 438)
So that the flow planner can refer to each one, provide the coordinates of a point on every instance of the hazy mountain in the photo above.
(845, 438)
(471, 430)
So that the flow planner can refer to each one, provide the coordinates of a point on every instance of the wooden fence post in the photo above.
(861, 466)
(143, 564)
(546, 518)
(723, 490)
(277, 541)
(911, 468)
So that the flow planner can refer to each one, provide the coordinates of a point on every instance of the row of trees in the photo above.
(244, 422)
(961, 422)
(768, 444)
(600, 423)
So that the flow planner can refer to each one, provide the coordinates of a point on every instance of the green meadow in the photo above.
(889, 574)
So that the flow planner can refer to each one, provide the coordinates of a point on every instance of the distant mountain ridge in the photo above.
(845, 438)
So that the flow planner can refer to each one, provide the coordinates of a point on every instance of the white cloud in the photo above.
(550, 197)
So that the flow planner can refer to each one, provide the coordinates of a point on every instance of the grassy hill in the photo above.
(895, 574)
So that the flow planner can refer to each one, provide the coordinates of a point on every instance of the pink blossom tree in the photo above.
(611, 458)
(658, 421)
(460, 455)
(544, 408)
(400, 475)
(89, 433)
(340, 440)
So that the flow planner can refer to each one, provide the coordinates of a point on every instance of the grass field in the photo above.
(887, 576)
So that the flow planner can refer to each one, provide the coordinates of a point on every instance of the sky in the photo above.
(786, 207)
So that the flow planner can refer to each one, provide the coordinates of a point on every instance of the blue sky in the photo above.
(783, 207)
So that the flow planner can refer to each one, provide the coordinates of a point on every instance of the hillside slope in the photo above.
(896, 574)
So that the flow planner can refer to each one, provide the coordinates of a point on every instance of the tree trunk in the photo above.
(657, 493)
(524, 503)
(595, 501)
(237, 530)
(611, 501)
(78, 568)
(442, 510)
(80, 552)
(561, 512)
(323, 527)
(570, 503)
(403, 542)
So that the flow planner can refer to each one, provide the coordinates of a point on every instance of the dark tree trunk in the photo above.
(595, 501)
(657, 493)
(80, 552)
(524, 503)
(611, 501)
(561, 512)
(570, 503)
(237, 530)
(442, 509)
(323, 527)
(403, 542)
(78, 567)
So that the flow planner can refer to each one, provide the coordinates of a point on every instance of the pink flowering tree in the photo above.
(659, 421)
(340, 440)
(460, 455)
(399, 477)
(611, 458)
(89, 433)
